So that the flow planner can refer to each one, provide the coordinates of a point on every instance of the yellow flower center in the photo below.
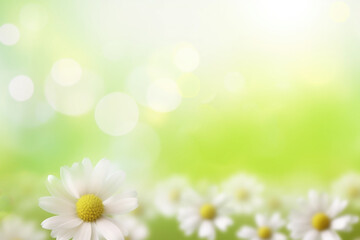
(89, 208)
(264, 232)
(207, 211)
(175, 195)
(242, 194)
(321, 221)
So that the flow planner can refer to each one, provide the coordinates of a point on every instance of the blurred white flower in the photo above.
(245, 192)
(168, 195)
(206, 214)
(146, 209)
(85, 199)
(277, 200)
(136, 229)
(266, 229)
(13, 228)
(318, 218)
(348, 187)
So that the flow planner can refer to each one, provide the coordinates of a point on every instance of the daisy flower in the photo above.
(318, 218)
(137, 230)
(13, 227)
(266, 229)
(276, 200)
(348, 187)
(85, 201)
(168, 195)
(245, 192)
(205, 214)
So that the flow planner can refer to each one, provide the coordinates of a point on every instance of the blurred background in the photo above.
(203, 89)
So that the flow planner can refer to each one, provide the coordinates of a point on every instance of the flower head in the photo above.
(85, 200)
(318, 218)
(245, 192)
(266, 229)
(205, 213)
(348, 187)
(168, 195)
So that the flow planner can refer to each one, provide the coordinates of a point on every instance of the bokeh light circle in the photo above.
(163, 95)
(66, 72)
(33, 16)
(21, 88)
(9, 34)
(186, 58)
(116, 114)
(76, 99)
(234, 82)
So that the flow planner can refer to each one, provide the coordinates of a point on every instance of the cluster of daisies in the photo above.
(88, 204)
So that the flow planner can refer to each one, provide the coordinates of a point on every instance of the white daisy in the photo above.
(15, 228)
(318, 218)
(348, 187)
(146, 209)
(85, 199)
(137, 230)
(168, 195)
(267, 228)
(204, 213)
(245, 192)
(276, 200)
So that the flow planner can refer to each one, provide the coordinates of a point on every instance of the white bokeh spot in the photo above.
(76, 99)
(66, 72)
(163, 95)
(21, 88)
(9, 34)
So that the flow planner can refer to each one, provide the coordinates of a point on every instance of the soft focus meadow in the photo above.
(259, 99)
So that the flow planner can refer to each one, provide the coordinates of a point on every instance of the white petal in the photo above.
(68, 182)
(61, 222)
(111, 185)
(84, 232)
(108, 229)
(223, 222)
(56, 188)
(344, 222)
(220, 200)
(312, 235)
(120, 205)
(64, 234)
(278, 236)
(314, 200)
(246, 232)
(207, 230)
(261, 220)
(99, 175)
(56, 205)
(336, 207)
(190, 224)
(276, 222)
(329, 235)
(94, 233)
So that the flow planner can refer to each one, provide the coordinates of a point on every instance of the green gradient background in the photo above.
(305, 135)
